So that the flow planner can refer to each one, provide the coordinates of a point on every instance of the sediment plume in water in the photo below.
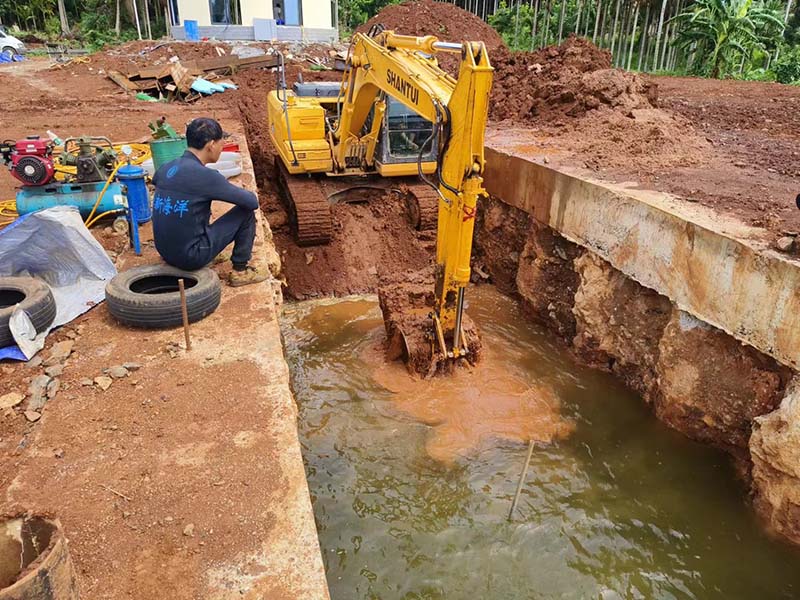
(472, 407)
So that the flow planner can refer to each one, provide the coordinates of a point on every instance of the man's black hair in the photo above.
(202, 130)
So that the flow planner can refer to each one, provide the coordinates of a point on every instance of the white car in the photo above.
(9, 45)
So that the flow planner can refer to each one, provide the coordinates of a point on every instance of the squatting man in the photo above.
(185, 187)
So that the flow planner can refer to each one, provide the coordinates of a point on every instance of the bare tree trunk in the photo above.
(546, 29)
(614, 30)
(658, 33)
(534, 26)
(62, 16)
(117, 26)
(633, 37)
(644, 36)
(622, 44)
(597, 21)
(561, 21)
(516, 26)
(168, 20)
(136, 18)
(578, 18)
(603, 42)
(147, 19)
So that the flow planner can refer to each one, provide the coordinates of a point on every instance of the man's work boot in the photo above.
(247, 276)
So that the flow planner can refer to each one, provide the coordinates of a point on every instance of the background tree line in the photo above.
(92, 22)
(750, 39)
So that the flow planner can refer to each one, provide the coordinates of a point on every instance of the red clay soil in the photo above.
(406, 299)
(563, 81)
(427, 17)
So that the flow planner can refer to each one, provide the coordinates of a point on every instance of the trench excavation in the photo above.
(411, 479)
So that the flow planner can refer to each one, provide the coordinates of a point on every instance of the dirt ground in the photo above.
(181, 479)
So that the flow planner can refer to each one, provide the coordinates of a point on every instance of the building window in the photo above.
(225, 12)
(287, 12)
(174, 15)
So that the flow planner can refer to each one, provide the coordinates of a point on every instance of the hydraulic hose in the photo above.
(102, 193)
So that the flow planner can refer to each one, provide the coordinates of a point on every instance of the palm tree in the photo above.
(725, 31)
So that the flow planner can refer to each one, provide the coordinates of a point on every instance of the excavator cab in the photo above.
(406, 137)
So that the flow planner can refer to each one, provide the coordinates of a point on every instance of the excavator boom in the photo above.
(385, 64)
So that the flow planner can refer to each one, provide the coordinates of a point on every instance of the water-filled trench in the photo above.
(412, 482)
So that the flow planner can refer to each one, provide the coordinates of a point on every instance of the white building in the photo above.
(265, 20)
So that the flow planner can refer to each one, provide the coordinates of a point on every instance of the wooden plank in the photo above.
(122, 81)
(182, 78)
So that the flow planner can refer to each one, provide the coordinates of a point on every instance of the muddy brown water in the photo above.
(412, 482)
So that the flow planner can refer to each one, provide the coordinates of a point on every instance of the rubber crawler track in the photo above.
(308, 208)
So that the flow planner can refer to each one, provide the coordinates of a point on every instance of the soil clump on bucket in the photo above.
(406, 301)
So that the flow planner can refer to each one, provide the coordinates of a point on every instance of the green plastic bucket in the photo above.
(167, 149)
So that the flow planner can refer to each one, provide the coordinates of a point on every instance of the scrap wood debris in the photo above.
(188, 81)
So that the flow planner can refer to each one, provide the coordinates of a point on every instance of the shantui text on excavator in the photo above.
(396, 114)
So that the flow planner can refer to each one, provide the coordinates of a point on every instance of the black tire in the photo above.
(8, 51)
(33, 296)
(148, 296)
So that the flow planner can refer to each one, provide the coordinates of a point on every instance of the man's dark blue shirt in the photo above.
(182, 209)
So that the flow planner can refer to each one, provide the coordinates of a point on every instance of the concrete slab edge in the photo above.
(708, 266)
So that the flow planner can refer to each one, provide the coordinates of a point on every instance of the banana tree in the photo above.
(724, 31)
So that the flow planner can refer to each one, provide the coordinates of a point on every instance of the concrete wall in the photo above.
(316, 13)
(244, 33)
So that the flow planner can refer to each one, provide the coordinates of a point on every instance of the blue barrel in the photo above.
(81, 195)
(132, 177)
(192, 31)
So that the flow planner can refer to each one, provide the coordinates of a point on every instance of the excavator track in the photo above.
(422, 206)
(307, 206)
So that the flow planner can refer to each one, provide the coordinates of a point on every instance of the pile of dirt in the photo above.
(563, 81)
(445, 21)
(132, 56)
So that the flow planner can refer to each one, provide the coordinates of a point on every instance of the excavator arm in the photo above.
(402, 67)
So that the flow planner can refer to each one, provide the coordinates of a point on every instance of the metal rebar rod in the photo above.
(521, 480)
(185, 313)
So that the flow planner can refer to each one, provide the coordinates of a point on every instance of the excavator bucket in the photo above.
(407, 305)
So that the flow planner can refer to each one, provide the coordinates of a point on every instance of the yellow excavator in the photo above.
(396, 113)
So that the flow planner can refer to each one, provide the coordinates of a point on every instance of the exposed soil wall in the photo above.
(698, 379)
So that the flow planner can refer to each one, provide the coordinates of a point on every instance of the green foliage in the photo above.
(353, 13)
(724, 34)
(792, 33)
(505, 22)
(787, 68)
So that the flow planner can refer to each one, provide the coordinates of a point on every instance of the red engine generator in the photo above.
(29, 160)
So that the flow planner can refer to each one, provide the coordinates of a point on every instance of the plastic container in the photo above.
(167, 149)
(235, 157)
(149, 167)
(132, 177)
(227, 168)
(192, 30)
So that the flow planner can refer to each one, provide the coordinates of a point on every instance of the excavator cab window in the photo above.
(404, 134)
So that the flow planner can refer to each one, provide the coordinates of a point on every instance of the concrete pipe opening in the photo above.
(34, 560)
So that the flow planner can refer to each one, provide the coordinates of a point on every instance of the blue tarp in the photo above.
(55, 246)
